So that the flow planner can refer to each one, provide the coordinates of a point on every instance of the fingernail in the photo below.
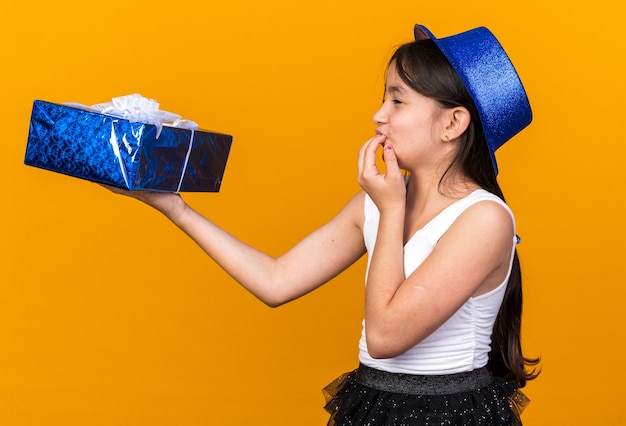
(387, 147)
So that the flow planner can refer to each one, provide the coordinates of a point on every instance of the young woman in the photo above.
(441, 333)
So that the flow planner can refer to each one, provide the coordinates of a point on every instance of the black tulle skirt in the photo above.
(369, 397)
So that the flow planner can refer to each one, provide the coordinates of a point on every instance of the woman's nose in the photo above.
(380, 116)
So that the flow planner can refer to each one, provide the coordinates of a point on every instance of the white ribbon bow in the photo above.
(136, 108)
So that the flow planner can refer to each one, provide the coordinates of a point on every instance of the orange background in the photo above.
(111, 316)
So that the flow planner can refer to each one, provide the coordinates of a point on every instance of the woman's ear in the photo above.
(456, 121)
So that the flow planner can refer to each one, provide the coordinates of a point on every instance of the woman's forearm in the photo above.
(252, 268)
(385, 275)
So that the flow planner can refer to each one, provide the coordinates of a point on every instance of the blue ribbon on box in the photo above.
(116, 149)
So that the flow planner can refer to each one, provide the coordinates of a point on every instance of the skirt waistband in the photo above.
(423, 384)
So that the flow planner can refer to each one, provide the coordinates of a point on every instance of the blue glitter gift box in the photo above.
(132, 155)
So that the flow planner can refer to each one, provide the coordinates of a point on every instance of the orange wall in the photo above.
(110, 316)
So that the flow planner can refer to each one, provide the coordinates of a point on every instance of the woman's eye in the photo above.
(393, 101)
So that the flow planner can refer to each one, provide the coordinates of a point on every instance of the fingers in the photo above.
(114, 189)
(367, 156)
(391, 162)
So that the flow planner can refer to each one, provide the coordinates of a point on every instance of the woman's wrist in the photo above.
(175, 210)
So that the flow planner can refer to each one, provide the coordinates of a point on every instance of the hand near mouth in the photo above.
(386, 189)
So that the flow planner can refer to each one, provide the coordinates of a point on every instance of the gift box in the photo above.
(88, 143)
